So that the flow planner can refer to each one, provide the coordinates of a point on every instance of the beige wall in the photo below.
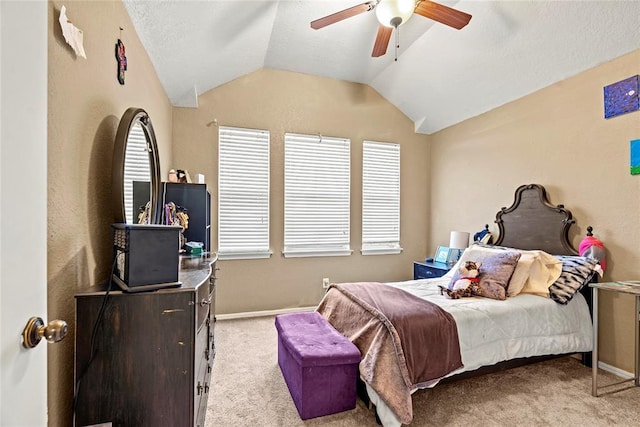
(556, 137)
(289, 102)
(84, 106)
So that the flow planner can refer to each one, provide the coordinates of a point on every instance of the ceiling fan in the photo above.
(393, 13)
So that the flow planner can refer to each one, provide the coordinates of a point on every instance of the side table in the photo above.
(628, 287)
(429, 270)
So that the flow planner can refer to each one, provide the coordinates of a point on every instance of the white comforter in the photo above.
(492, 331)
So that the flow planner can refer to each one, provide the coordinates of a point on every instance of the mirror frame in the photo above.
(130, 117)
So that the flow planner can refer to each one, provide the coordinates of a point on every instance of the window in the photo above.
(316, 195)
(243, 193)
(380, 198)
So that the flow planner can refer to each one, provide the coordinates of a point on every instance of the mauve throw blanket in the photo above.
(406, 342)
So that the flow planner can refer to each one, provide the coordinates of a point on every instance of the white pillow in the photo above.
(544, 271)
(535, 272)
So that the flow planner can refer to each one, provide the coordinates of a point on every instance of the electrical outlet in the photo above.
(325, 282)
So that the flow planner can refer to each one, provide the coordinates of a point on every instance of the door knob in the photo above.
(35, 330)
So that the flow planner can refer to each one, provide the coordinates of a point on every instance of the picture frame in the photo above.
(454, 255)
(442, 254)
(622, 97)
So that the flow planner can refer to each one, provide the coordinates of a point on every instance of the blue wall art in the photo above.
(635, 157)
(621, 97)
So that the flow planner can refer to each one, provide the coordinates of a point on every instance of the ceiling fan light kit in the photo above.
(393, 13)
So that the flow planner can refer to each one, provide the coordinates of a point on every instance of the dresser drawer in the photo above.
(429, 271)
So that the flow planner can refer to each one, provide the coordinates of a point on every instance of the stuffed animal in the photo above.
(469, 272)
(467, 284)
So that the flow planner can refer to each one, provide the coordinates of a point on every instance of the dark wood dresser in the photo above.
(152, 352)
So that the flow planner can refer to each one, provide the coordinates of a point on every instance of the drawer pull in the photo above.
(206, 388)
(199, 388)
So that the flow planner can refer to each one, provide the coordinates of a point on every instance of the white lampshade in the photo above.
(387, 10)
(459, 240)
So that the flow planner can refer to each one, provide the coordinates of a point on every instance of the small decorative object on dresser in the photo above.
(429, 270)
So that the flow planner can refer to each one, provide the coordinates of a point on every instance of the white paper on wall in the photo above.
(72, 35)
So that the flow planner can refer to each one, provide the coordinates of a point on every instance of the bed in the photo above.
(530, 304)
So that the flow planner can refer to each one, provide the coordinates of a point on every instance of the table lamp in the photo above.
(458, 242)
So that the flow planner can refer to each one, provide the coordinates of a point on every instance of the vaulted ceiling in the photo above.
(442, 76)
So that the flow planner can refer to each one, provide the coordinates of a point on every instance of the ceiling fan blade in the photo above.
(443, 14)
(382, 41)
(343, 14)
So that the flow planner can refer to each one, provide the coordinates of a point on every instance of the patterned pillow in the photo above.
(577, 271)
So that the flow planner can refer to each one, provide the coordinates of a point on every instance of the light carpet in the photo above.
(247, 389)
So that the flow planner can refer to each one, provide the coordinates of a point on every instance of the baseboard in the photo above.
(262, 313)
(615, 371)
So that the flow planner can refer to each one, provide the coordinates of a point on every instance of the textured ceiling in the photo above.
(442, 77)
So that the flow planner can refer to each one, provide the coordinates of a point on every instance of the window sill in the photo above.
(316, 253)
(244, 255)
(381, 251)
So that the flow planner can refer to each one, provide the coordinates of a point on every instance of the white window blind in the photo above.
(380, 198)
(243, 193)
(316, 191)
(136, 168)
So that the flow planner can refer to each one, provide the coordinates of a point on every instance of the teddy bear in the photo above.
(467, 283)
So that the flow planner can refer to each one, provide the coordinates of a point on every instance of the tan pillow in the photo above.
(544, 271)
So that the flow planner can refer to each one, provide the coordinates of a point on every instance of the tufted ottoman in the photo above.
(319, 365)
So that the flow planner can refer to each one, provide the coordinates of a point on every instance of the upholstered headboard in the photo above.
(532, 222)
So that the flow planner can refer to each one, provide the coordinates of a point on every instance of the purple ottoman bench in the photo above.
(319, 365)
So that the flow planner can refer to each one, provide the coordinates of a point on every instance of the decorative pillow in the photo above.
(577, 271)
(475, 253)
(536, 270)
(495, 272)
(544, 270)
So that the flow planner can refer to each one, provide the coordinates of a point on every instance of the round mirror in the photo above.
(136, 170)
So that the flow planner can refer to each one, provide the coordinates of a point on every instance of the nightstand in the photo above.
(429, 270)
(631, 288)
